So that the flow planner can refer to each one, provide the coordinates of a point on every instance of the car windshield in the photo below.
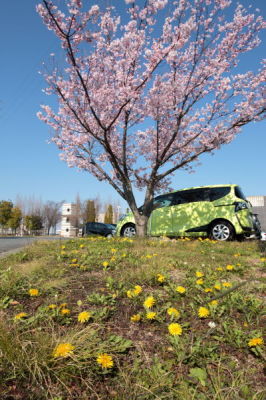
(239, 193)
(111, 226)
(163, 200)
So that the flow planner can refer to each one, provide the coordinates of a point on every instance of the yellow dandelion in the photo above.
(213, 303)
(65, 311)
(219, 269)
(63, 305)
(199, 281)
(135, 318)
(199, 274)
(227, 284)
(21, 315)
(181, 289)
(257, 341)
(63, 247)
(173, 312)
(81, 246)
(175, 329)
(52, 306)
(208, 290)
(151, 315)
(63, 350)
(217, 286)
(230, 267)
(160, 278)
(84, 316)
(105, 264)
(33, 292)
(137, 290)
(149, 302)
(203, 312)
(129, 294)
(105, 360)
(113, 250)
(236, 255)
(148, 256)
(74, 261)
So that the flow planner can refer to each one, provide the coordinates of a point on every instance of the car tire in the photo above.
(221, 231)
(109, 236)
(128, 230)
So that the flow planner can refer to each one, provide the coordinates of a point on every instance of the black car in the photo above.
(98, 228)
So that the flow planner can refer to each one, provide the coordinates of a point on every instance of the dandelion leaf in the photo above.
(199, 374)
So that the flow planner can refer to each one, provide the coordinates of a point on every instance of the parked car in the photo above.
(98, 228)
(220, 212)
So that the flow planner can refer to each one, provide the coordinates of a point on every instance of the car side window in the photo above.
(218, 193)
(191, 196)
(162, 201)
(178, 199)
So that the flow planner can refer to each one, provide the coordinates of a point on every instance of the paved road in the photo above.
(14, 243)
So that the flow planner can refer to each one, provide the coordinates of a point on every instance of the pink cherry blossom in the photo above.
(141, 98)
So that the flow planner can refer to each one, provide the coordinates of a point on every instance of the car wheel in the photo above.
(222, 231)
(109, 235)
(128, 231)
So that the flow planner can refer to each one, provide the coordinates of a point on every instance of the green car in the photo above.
(220, 212)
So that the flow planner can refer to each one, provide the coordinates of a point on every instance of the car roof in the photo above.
(206, 186)
(198, 187)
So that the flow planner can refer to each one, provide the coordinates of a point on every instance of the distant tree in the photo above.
(33, 223)
(15, 219)
(90, 215)
(108, 217)
(5, 212)
(52, 214)
(116, 211)
(77, 217)
(29, 205)
(98, 206)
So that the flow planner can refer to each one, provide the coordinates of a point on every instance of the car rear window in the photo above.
(239, 193)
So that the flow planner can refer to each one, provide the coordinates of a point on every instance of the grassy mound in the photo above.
(136, 319)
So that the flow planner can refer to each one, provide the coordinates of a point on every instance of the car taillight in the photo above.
(240, 206)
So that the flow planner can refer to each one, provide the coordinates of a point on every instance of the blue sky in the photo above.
(29, 166)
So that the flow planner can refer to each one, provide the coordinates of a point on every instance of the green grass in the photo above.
(211, 359)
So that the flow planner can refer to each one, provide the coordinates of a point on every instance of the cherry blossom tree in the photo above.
(145, 93)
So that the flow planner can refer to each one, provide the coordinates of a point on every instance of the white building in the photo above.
(259, 207)
(69, 216)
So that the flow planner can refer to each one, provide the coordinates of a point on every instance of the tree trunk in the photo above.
(141, 224)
